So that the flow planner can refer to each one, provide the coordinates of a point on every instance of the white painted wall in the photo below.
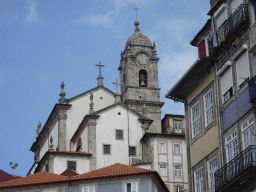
(106, 134)
(80, 108)
(60, 164)
(54, 134)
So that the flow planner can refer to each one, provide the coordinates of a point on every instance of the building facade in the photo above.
(99, 127)
(226, 89)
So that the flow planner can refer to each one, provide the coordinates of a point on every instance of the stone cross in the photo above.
(136, 9)
(100, 67)
(117, 84)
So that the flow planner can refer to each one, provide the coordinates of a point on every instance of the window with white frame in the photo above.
(178, 189)
(195, 119)
(208, 107)
(176, 149)
(248, 132)
(212, 168)
(177, 126)
(199, 180)
(162, 147)
(231, 146)
(88, 189)
(242, 68)
(226, 84)
(163, 170)
(131, 187)
(177, 171)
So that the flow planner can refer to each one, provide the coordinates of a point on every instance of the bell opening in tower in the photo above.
(143, 78)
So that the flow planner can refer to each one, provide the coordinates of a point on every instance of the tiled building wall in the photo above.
(236, 109)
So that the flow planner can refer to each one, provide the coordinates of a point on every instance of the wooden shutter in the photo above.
(242, 68)
(202, 50)
(226, 81)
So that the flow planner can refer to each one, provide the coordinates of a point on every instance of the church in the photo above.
(99, 128)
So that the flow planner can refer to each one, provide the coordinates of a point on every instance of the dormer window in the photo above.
(143, 78)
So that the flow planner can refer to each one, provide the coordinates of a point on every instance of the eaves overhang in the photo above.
(179, 91)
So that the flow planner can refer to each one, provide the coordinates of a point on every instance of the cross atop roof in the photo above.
(136, 9)
(99, 65)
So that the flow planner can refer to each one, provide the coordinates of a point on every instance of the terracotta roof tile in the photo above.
(69, 173)
(38, 178)
(5, 176)
(199, 33)
(112, 171)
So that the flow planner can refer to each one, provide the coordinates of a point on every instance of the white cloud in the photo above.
(103, 20)
(32, 16)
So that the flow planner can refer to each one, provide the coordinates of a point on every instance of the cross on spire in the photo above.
(117, 84)
(136, 9)
(99, 65)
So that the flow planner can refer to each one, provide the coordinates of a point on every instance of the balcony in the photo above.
(252, 89)
(230, 28)
(146, 159)
(238, 172)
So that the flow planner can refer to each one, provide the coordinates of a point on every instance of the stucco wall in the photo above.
(60, 164)
(54, 135)
(80, 108)
(108, 122)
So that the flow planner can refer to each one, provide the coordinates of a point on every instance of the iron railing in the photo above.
(229, 25)
(241, 162)
(252, 89)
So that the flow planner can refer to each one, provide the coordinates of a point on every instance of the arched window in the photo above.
(143, 78)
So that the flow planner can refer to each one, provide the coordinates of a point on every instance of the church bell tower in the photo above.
(139, 75)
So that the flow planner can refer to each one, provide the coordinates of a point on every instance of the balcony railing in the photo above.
(237, 165)
(252, 88)
(146, 158)
(228, 27)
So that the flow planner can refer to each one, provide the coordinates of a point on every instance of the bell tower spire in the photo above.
(139, 77)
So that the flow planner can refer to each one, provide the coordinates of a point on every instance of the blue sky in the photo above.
(44, 42)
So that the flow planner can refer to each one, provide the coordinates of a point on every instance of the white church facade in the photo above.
(99, 128)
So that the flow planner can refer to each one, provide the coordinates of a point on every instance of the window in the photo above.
(162, 147)
(208, 107)
(242, 68)
(88, 189)
(163, 170)
(178, 189)
(231, 146)
(248, 132)
(176, 149)
(177, 126)
(106, 149)
(72, 165)
(47, 167)
(212, 167)
(226, 82)
(195, 119)
(143, 78)
(199, 180)
(119, 134)
(177, 171)
(131, 187)
(220, 16)
(132, 151)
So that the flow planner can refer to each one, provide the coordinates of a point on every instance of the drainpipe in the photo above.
(128, 136)
(219, 115)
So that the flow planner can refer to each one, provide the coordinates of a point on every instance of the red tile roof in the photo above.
(199, 33)
(38, 178)
(69, 173)
(112, 171)
(5, 176)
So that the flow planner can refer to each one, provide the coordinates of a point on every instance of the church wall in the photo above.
(106, 134)
(60, 164)
(80, 108)
(54, 134)
(84, 138)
